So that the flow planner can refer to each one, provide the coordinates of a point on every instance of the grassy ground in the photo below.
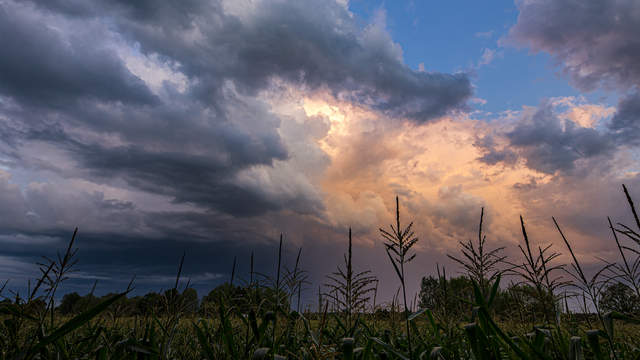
(191, 337)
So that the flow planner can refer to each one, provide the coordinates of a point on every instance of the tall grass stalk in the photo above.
(350, 290)
(277, 305)
(481, 265)
(398, 245)
(57, 271)
(628, 272)
(592, 286)
(295, 280)
(538, 272)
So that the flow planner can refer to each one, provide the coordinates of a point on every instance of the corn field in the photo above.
(255, 318)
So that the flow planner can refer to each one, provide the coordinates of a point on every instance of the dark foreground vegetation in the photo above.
(526, 308)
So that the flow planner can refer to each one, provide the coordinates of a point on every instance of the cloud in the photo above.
(596, 42)
(323, 48)
(488, 55)
(581, 112)
(596, 45)
(43, 213)
(158, 127)
(48, 67)
(16, 269)
(625, 124)
(553, 137)
(549, 144)
(167, 98)
(479, 101)
(493, 154)
(582, 213)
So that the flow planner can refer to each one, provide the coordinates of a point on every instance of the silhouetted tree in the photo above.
(149, 304)
(446, 297)
(619, 297)
(69, 303)
(190, 300)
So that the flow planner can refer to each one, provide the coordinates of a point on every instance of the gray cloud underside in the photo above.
(625, 124)
(596, 41)
(63, 83)
(547, 143)
(285, 39)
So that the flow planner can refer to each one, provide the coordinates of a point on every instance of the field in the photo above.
(477, 316)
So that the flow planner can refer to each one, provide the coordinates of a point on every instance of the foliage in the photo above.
(447, 298)
(620, 297)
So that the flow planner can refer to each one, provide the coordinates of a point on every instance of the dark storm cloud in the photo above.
(461, 212)
(596, 41)
(64, 83)
(206, 180)
(284, 39)
(625, 124)
(38, 66)
(547, 143)
(492, 155)
(153, 262)
(116, 240)
(49, 210)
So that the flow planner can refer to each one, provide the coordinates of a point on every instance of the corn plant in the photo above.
(629, 271)
(480, 264)
(398, 246)
(350, 290)
(538, 272)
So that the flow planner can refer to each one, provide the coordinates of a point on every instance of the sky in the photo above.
(210, 127)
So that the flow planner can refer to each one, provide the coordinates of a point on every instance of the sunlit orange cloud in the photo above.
(581, 112)
(434, 169)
